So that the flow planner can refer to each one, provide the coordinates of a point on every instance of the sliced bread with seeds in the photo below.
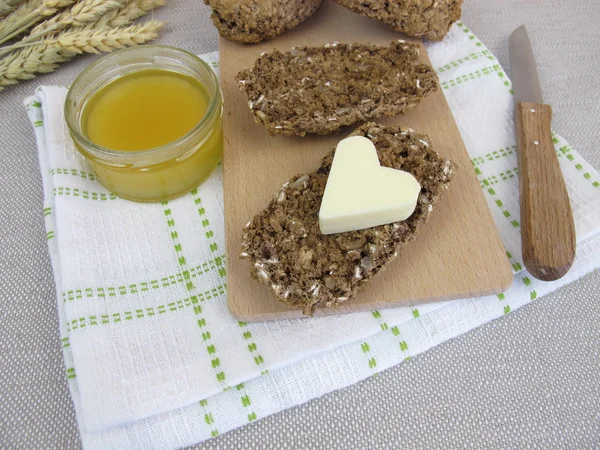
(309, 270)
(320, 89)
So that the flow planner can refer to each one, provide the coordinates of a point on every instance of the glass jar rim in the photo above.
(77, 132)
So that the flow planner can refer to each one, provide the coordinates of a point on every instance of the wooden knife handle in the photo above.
(547, 227)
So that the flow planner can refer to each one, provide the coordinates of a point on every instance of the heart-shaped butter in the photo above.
(361, 194)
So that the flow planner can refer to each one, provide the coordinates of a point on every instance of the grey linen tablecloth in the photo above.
(530, 379)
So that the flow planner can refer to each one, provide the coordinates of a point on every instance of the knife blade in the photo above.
(547, 226)
(526, 85)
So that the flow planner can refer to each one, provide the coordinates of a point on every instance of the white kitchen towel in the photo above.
(153, 358)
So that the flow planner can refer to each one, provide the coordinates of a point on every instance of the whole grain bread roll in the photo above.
(309, 270)
(251, 21)
(321, 89)
(430, 19)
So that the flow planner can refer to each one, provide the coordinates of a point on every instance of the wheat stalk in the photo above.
(27, 15)
(132, 10)
(44, 56)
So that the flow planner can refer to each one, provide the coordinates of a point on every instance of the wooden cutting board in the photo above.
(457, 253)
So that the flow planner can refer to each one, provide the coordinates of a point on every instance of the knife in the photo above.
(547, 227)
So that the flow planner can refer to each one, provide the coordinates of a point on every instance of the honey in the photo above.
(148, 120)
(144, 110)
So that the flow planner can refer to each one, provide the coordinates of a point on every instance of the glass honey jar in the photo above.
(148, 120)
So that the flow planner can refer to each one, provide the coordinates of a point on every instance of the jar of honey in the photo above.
(148, 120)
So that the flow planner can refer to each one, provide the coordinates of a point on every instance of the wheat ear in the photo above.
(12, 3)
(28, 15)
(82, 13)
(132, 10)
(4, 9)
(44, 56)
(8, 6)
(23, 11)
(23, 64)
(96, 40)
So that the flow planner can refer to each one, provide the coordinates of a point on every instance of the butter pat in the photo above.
(361, 194)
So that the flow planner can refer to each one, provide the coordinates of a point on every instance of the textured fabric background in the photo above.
(529, 379)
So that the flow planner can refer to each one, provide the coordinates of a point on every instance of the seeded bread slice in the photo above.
(420, 18)
(320, 89)
(251, 21)
(309, 270)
